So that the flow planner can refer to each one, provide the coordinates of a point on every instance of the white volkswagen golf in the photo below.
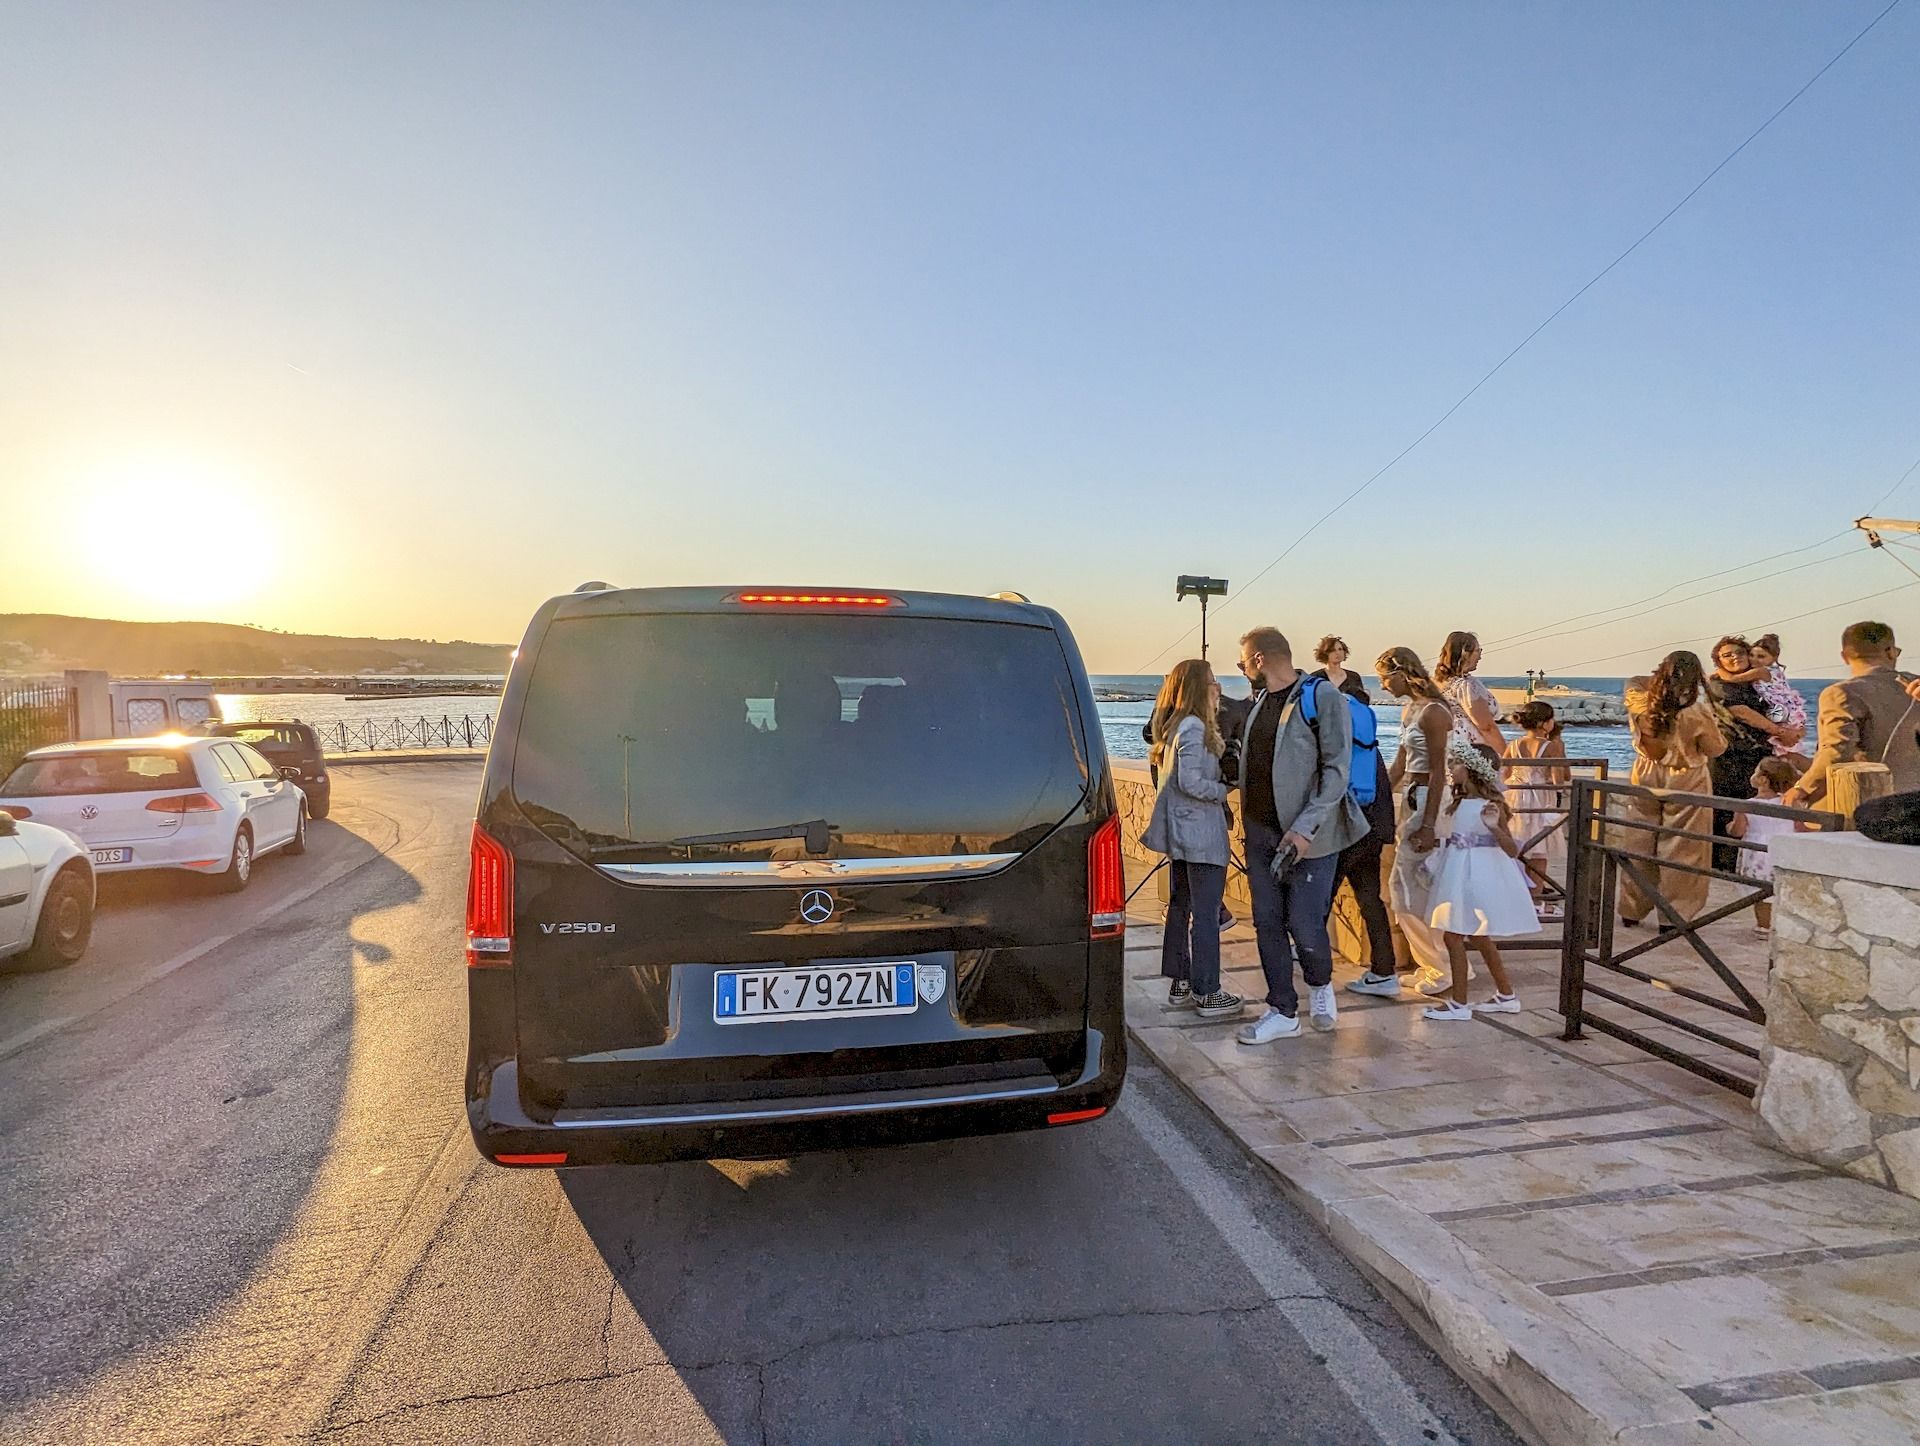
(207, 805)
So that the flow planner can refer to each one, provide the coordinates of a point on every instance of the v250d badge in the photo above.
(594, 928)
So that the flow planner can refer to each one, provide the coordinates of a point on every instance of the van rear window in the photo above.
(119, 771)
(644, 737)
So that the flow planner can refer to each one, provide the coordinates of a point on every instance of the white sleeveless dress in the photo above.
(1477, 889)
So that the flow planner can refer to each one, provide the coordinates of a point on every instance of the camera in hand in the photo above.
(1283, 862)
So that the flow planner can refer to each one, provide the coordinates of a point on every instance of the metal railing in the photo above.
(1540, 827)
(377, 735)
(32, 715)
(1615, 836)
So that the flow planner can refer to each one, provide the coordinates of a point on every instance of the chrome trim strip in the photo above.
(608, 1120)
(810, 871)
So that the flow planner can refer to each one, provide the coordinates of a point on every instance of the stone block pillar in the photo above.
(1840, 1077)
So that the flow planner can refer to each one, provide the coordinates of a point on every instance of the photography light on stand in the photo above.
(1202, 588)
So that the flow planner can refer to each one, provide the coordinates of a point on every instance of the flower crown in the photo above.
(1473, 760)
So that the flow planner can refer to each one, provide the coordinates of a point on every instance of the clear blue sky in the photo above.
(481, 300)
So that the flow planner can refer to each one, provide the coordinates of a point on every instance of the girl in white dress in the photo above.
(1479, 888)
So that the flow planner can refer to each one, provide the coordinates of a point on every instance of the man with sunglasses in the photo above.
(1298, 817)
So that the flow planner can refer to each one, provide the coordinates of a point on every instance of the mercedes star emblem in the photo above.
(816, 906)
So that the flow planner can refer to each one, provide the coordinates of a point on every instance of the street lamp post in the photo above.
(1189, 585)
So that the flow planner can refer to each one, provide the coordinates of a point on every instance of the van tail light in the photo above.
(818, 599)
(1106, 883)
(489, 903)
(185, 803)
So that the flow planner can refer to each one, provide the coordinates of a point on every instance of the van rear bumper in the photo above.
(750, 1129)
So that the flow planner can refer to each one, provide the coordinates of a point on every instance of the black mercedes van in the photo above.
(764, 870)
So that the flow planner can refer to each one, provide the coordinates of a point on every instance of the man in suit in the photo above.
(1299, 815)
(1868, 718)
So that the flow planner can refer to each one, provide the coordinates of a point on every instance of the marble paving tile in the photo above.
(1717, 1155)
(1686, 1229)
(1831, 1211)
(1879, 1296)
(1487, 1180)
(1859, 1415)
(1327, 1120)
(1489, 1137)
(1541, 1247)
(1673, 1083)
(1324, 1078)
(1708, 1329)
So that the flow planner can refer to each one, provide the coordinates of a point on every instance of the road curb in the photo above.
(1551, 1378)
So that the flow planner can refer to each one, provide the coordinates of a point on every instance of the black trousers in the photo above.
(1360, 867)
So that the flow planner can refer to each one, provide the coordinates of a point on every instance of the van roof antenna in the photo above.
(1018, 597)
(594, 587)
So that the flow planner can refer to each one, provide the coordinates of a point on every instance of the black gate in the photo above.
(31, 716)
(1614, 834)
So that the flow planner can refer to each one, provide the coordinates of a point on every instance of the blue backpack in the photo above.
(1363, 774)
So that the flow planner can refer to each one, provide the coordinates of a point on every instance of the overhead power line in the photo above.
(1528, 635)
(1660, 649)
(1551, 317)
(1679, 601)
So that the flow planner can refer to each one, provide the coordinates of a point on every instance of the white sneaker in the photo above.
(1387, 986)
(1268, 1027)
(1323, 1012)
(1499, 1004)
(1447, 1010)
(1433, 982)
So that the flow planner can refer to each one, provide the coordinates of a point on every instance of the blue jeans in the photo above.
(1290, 918)
(1190, 947)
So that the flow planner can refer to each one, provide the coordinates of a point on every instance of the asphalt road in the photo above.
(240, 1204)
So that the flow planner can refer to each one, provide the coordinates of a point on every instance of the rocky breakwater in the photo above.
(1840, 1076)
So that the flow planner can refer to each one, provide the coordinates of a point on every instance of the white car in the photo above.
(206, 805)
(46, 895)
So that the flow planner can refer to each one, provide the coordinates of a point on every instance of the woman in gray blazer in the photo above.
(1189, 826)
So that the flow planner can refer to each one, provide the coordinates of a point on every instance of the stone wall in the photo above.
(1840, 1080)
(1133, 787)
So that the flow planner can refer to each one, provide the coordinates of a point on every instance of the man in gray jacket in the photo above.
(1299, 816)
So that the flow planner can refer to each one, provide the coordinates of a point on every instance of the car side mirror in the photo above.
(290, 773)
(8, 826)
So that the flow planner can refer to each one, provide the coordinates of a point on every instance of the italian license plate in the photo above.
(830, 992)
(113, 856)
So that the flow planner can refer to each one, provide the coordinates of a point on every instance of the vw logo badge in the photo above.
(816, 906)
(88, 810)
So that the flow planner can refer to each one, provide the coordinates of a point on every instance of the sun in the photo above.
(177, 538)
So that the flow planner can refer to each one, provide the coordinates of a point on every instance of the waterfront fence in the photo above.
(32, 715)
(378, 735)
(1705, 1017)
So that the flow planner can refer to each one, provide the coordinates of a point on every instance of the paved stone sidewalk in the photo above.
(1593, 1237)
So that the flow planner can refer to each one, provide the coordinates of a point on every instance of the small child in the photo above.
(1773, 777)
(1480, 890)
(1536, 795)
(1783, 700)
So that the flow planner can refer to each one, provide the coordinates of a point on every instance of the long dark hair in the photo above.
(1674, 687)
(1453, 657)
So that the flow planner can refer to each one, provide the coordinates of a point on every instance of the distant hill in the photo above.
(49, 642)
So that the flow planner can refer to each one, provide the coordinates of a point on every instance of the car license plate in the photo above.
(833, 992)
(113, 856)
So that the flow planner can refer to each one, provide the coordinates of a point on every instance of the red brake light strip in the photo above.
(820, 599)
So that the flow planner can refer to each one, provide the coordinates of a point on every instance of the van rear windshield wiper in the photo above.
(818, 834)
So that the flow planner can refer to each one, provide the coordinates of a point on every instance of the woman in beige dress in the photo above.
(1675, 739)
